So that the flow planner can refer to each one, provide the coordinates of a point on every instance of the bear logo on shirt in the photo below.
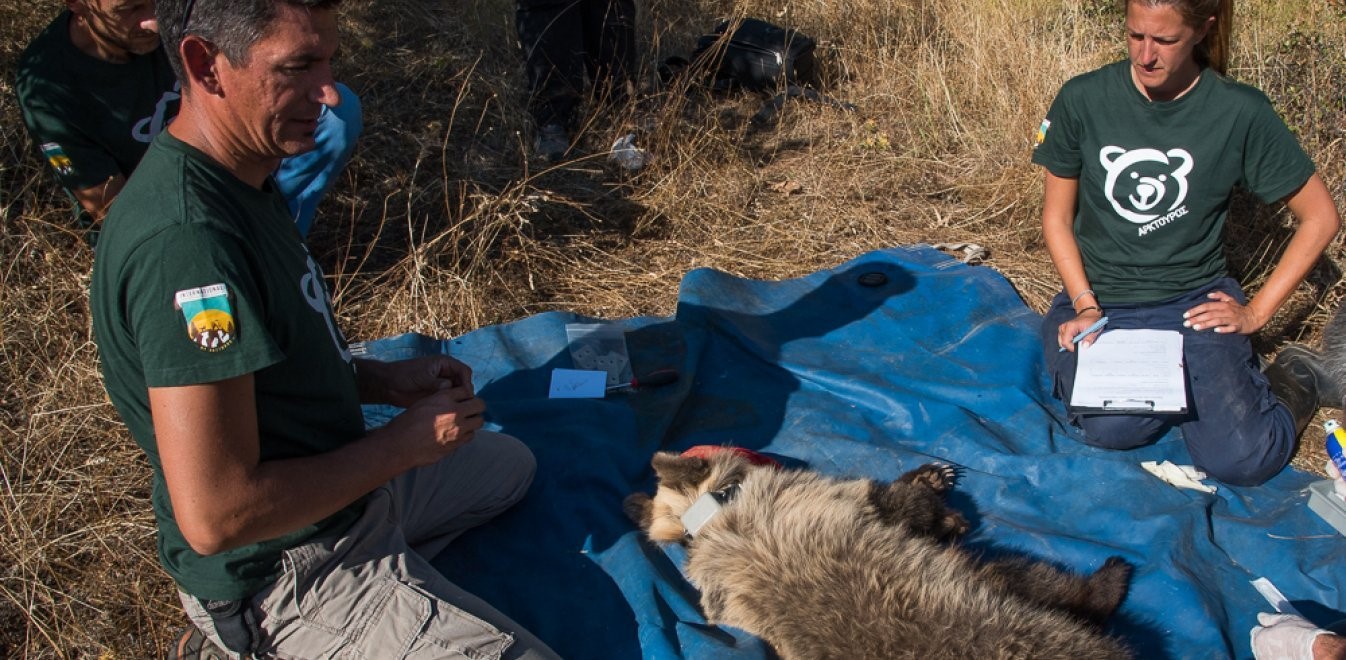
(164, 112)
(1145, 185)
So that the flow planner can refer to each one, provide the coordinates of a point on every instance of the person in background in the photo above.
(573, 49)
(1141, 159)
(1284, 636)
(95, 87)
(289, 529)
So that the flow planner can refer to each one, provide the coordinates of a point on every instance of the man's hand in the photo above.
(434, 426)
(1223, 315)
(1283, 637)
(405, 382)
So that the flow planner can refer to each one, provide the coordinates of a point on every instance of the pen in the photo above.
(660, 377)
(1098, 325)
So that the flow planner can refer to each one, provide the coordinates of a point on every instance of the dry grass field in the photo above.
(442, 224)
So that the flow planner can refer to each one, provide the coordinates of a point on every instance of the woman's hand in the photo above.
(1223, 315)
(1065, 333)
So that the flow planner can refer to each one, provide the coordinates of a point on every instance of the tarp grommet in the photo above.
(873, 278)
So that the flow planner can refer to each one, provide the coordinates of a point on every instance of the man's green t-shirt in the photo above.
(199, 278)
(92, 119)
(1155, 178)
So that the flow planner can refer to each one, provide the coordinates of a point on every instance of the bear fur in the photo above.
(833, 568)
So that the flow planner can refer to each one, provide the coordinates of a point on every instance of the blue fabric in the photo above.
(305, 179)
(942, 362)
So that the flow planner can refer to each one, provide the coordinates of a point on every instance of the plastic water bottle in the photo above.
(627, 154)
(1336, 441)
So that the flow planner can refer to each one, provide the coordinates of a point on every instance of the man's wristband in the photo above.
(1086, 292)
(1096, 308)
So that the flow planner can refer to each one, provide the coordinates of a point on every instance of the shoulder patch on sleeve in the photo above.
(1042, 132)
(209, 318)
(56, 156)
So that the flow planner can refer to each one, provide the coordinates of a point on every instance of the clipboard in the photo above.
(1122, 407)
(1131, 372)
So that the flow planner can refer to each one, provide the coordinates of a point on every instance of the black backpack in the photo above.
(756, 56)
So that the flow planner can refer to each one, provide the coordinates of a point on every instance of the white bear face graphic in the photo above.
(1140, 180)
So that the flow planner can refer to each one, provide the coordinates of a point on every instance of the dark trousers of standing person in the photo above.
(1236, 429)
(569, 42)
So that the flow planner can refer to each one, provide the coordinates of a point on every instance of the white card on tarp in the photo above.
(1127, 371)
(577, 384)
(1274, 596)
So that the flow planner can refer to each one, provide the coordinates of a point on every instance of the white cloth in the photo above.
(1182, 476)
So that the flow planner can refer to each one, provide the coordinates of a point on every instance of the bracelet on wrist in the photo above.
(1086, 292)
(1096, 308)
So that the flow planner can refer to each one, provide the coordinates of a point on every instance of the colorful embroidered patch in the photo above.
(56, 156)
(1042, 132)
(210, 321)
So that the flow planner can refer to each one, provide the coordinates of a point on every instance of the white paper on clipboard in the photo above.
(1130, 371)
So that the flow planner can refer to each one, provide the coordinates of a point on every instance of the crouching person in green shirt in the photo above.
(96, 86)
(289, 530)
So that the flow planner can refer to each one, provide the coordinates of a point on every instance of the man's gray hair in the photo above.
(233, 26)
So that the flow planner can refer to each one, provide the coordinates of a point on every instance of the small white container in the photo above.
(1324, 501)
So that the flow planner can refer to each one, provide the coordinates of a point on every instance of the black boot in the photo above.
(1329, 390)
(1295, 378)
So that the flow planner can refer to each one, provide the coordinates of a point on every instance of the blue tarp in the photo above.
(939, 362)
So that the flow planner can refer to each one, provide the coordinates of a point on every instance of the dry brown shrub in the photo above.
(442, 224)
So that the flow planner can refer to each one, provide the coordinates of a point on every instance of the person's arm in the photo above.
(96, 199)
(224, 496)
(1329, 647)
(81, 163)
(1060, 196)
(1312, 205)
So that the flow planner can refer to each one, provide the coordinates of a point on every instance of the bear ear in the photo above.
(640, 509)
(1108, 155)
(673, 469)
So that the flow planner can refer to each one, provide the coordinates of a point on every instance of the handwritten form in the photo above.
(577, 384)
(1131, 371)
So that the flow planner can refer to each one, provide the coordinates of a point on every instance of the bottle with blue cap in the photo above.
(1336, 440)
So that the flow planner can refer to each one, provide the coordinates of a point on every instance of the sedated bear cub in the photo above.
(829, 568)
